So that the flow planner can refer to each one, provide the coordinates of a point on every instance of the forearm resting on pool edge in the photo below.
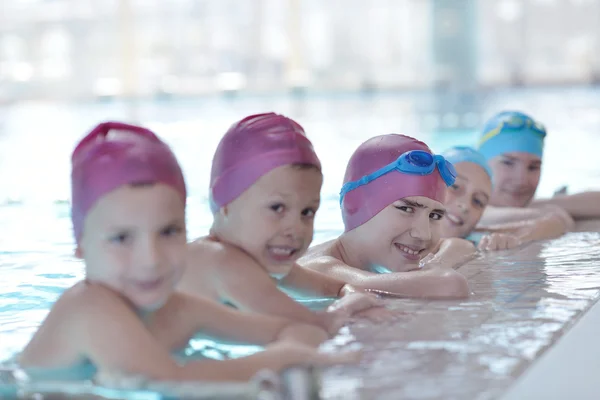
(430, 283)
(579, 206)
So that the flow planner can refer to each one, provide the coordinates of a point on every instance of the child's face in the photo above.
(466, 200)
(134, 241)
(273, 220)
(516, 177)
(401, 234)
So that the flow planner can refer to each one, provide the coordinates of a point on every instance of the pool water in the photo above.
(36, 139)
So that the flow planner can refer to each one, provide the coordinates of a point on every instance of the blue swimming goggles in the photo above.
(514, 122)
(414, 162)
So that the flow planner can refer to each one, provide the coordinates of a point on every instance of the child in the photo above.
(392, 207)
(264, 192)
(513, 144)
(128, 213)
(468, 198)
(469, 195)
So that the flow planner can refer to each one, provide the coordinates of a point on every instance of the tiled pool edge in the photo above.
(525, 302)
(569, 367)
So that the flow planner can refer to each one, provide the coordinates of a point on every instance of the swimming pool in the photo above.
(36, 140)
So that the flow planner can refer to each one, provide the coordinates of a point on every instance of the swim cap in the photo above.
(460, 154)
(511, 131)
(363, 203)
(252, 147)
(114, 154)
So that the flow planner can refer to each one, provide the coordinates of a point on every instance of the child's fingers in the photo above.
(498, 241)
(426, 260)
(514, 242)
(334, 321)
(501, 242)
(347, 357)
(484, 242)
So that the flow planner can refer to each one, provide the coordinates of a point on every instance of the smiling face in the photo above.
(466, 200)
(399, 236)
(273, 220)
(134, 241)
(516, 177)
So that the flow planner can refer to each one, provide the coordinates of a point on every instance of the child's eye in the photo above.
(171, 230)
(507, 162)
(455, 187)
(534, 167)
(436, 216)
(406, 209)
(309, 212)
(479, 203)
(277, 207)
(120, 238)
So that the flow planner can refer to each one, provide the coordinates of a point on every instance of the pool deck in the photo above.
(526, 332)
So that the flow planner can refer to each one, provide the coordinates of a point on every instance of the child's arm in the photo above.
(554, 223)
(231, 276)
(578, 206)
(453, 252)
(316, 283)
(103, 329)
(230, 325)
(313, 283)
(248, 287)
(499, 215)
(436, 283)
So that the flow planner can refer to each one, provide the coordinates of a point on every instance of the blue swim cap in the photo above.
(511, 131)
(460, 154)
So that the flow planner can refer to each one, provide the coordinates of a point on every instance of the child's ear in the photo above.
(78, 252)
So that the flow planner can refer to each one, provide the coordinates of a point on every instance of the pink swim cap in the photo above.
(252, 147)
(115, 154)
(363, 203)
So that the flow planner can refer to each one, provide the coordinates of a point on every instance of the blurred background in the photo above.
(72, 50)
(345, 69)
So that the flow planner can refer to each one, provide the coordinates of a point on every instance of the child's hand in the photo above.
(430, 261)
(346, 357)
(498, 241)
(554, 211)
(354, 302)
(296, 354)
(379, 314)
(305, 334)
(332, 322)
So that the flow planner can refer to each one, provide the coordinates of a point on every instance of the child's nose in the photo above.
(149, 255)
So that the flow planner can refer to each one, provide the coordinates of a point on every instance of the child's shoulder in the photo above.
(79, 305)
(86, 296)
(209, 250)
(317, 252)
(185, 304)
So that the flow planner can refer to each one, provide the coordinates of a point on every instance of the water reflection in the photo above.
(523, 301)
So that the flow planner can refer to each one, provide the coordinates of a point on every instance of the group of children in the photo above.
(411, 218)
